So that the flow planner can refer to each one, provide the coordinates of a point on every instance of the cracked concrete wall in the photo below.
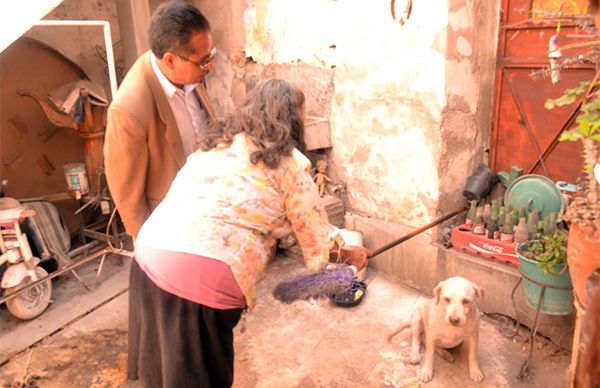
(227, 80)
(410, 105)
(470, 50)
(388, 94)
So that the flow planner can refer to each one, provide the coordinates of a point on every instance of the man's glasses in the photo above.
(202, 65)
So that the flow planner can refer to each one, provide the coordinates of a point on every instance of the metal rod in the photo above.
(80, 280)
(99, 269)
(532, 337)
(512, 298)
(417, 231)
(64, 270)
(85, 247)
(99, 236)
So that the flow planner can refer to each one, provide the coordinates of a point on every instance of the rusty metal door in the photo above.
(524, 132)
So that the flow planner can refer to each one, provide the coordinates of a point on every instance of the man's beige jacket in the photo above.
(143, 150)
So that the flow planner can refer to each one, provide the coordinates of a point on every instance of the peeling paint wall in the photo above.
(226, 81)
(388, 93)
(83, 45)
(411, 105)
(470, 50)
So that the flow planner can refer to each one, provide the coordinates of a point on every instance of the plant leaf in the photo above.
(584, 127)
(569, 136)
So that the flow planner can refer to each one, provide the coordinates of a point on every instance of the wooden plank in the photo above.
(317, 133)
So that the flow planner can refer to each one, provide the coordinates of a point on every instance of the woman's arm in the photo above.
(306, 214)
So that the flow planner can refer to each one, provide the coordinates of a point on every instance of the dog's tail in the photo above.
(403, 326)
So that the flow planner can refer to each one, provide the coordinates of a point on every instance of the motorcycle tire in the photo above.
(31, 303)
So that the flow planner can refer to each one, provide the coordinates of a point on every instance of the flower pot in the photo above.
(556, 301)
(583, 257)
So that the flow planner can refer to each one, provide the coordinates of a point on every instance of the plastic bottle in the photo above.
(471, 215)
(550, 225)
(521, 232)
(532, 225)
(501, 216)
(492, 228)
(479, 226)
(487, 213)
(522, 213)
(515, 217)
(507, 234)
(495, 208)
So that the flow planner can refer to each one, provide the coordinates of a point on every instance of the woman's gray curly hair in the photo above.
(271, 117)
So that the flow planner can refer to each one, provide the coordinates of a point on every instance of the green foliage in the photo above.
(549, 251)
(588, 119)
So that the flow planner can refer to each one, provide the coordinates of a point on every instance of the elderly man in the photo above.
(159, 113)
(158, 116)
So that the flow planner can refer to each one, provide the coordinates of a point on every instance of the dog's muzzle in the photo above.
(454, 321)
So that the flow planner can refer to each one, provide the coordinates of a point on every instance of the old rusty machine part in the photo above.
(33, 150)
(91, 130)
(31, 133)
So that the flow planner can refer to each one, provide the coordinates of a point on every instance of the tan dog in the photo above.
(445, 322)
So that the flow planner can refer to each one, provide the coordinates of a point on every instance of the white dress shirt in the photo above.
(189, 115)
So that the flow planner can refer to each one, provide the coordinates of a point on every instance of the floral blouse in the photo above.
(222, 206)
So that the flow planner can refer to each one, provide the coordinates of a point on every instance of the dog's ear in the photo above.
(479, 291)
(437, 291)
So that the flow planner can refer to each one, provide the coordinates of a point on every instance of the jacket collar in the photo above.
(164, 111)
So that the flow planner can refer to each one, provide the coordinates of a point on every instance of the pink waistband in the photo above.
(200, 279)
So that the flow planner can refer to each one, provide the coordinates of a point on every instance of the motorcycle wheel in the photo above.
(31, 303)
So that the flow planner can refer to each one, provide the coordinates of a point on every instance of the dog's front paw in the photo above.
(415, 358)
(426, 374)
(476, 374)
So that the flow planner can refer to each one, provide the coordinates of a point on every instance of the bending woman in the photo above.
(200, 254)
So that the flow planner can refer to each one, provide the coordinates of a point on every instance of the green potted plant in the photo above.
(544, 262)
(583, 213)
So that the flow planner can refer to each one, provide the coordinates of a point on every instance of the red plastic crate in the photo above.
(462, 238)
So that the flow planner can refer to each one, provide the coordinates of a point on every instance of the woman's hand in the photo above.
(355, 255)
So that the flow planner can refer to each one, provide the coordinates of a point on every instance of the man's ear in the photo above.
(437, 291)
(479, 291)
(169, 59)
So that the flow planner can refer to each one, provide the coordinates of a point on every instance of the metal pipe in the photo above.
(66, 269)
(110, 59)
(84, 248)
(417, 231)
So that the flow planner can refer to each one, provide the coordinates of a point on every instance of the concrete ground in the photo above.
(304, 344)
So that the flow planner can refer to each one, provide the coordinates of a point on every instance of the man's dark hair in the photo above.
(172, 26)
(593, 6)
